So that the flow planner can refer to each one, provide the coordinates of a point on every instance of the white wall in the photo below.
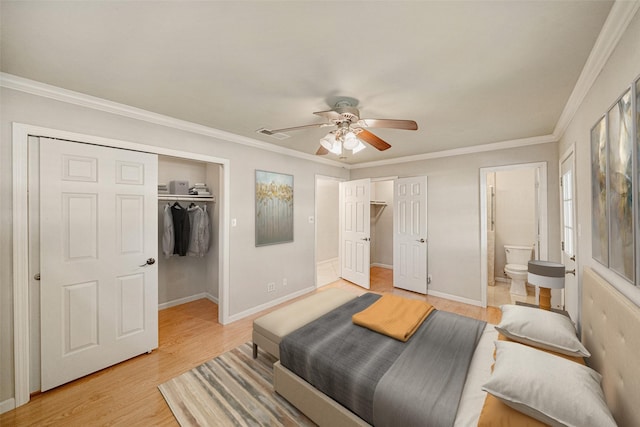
(622, 68)
(327, 217)
(453, 211)
(515, 212)
(250, 267)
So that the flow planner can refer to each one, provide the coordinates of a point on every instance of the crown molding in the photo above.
(620, 15)
(515, 143)
(33, 87)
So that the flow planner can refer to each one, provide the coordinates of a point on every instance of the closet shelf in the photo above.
(186, 198)
(378, 203)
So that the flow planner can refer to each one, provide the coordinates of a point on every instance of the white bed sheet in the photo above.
(473, 397)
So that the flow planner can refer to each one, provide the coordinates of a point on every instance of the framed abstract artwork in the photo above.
(599, 222)
(613, 224)
(274, 208)
(621, 188)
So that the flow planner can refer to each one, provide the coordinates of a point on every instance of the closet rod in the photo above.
(177, 198)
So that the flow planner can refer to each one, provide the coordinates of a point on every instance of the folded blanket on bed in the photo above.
(394, 316)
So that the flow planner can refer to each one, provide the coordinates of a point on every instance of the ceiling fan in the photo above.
(349, 132)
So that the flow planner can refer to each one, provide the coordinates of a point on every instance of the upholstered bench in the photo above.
(269, 329)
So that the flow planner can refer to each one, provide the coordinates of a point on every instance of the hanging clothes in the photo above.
(168, 237)
(199, 240)
(181, 229)
(206, 231)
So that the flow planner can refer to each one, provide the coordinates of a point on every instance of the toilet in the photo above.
(516, 268)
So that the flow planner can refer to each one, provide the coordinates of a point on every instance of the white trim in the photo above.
(455, 298)
(14, 82)
(514, 143)
(328, 261)
(620, 15)
(270, 304)
(544, 227)
(21, 132)
(502, 279)
(7, 405)
(571, 151)
(377, 264)
(20, 223)
(384, 178)
(179, 301)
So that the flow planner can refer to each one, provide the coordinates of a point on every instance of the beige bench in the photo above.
(269, 329)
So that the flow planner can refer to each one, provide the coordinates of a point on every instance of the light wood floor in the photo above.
(127, 394)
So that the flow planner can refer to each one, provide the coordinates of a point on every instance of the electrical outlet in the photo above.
(284, 282)
(271, 286)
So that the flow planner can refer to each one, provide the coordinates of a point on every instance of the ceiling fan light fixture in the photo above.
(350, 141)
(330, 143)
(359, 147)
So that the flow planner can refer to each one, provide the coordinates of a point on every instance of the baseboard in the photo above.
(454, 298)
(270, 304)
(185, 300)
(328, 261)
(212, 298)
(377, 264)
(7, 405)
(503, 279)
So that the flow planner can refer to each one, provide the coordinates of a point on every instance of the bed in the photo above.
(609, 323)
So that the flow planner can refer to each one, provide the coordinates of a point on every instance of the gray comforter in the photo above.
(382, 380)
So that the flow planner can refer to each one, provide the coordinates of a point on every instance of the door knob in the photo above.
(573, 258)
(366, 239)
(420, 240)
(150, 261)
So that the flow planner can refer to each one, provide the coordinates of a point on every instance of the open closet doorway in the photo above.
(513, 230)
(379, 233)
(193, 275)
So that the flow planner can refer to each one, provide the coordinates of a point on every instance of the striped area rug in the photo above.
(231, 390)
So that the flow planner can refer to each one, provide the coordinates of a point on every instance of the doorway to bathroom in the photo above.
(513, 213)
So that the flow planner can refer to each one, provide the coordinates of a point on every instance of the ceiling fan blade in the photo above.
(322, 151)
(272, 131)
(388, 123)
(372, 139)
(329, 115)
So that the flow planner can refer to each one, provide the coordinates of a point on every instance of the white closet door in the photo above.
(410, 234)
(98, 228)
(355, 221)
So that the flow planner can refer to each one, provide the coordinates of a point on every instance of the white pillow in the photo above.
(548, 388)
(541, 328)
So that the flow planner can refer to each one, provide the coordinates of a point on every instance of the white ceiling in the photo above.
(468, 72)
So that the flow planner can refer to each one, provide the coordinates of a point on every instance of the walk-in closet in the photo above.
(191, 272)
(382, 224)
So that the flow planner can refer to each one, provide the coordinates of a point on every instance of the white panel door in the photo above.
(569, 247)
(355, 238)
(410, 234)
(99, 280)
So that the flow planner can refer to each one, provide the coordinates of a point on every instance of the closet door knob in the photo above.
(150, 261)
(421, 240)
